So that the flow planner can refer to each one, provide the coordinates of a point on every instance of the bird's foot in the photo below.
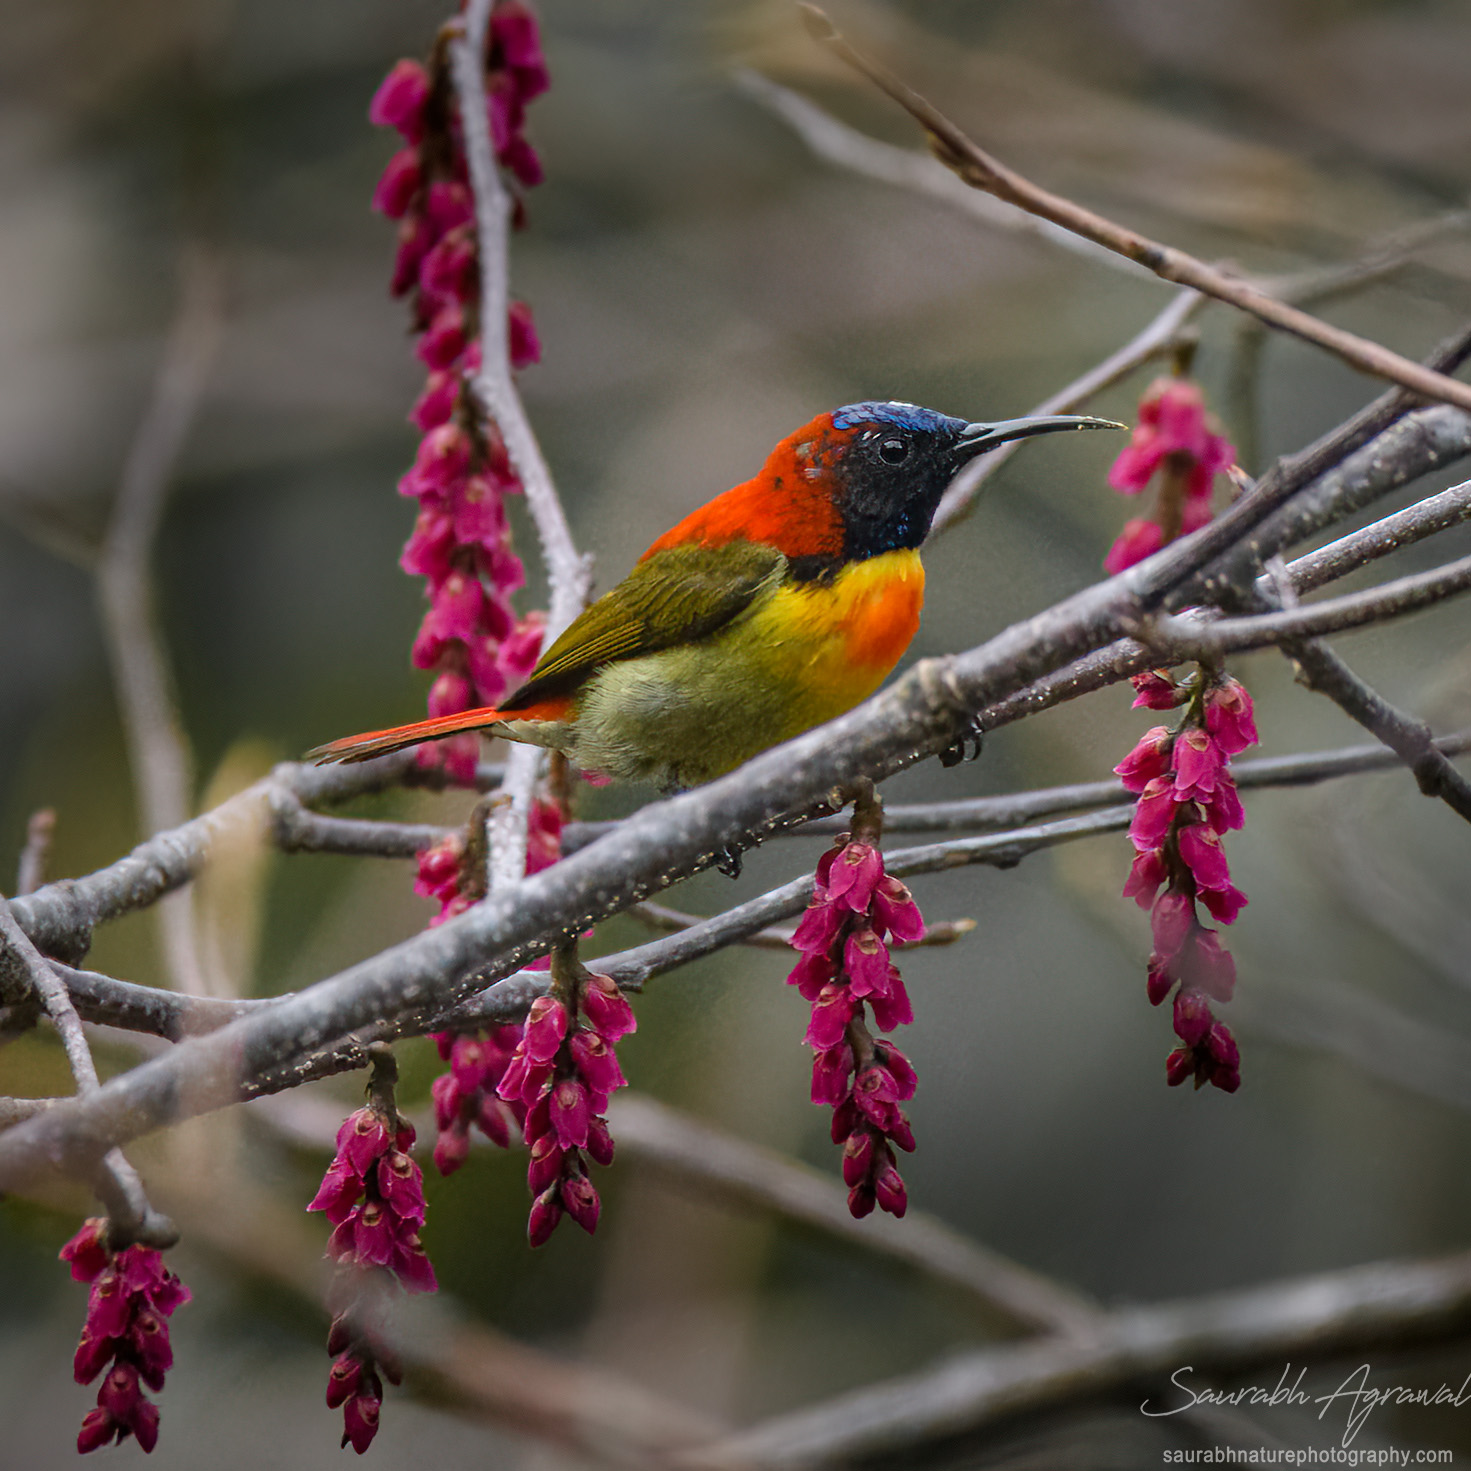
(730, 858)
(968, 746)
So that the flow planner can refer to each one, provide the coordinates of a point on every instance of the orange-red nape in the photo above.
(790, 505)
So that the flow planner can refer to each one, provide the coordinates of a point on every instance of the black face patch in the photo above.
(890, 479)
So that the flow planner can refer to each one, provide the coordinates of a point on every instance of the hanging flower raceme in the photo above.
(126, 1333)
(561, 1075)
(846, 972)
(1178, 441)
(465, 1097)
(461, 542)
(373, 1193)
(1187, 803)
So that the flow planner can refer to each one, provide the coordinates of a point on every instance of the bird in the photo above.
(773, 608)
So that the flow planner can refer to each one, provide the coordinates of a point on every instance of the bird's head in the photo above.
(885, 466)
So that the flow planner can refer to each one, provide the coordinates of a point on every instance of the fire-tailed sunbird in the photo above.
(777, 606)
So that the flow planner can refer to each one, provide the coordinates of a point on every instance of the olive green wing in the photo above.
(677, 596)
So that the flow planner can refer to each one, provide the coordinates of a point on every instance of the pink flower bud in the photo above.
(1198, 763)
(1224, 904)
(436, 405)
(599, 1141)
(1201, 851)
(819, 927)
(452, 1147)
(361, 1138)
(894, 910)
(360, 1421)
(400, 100)
(1159, 979)
(894, 1009)
(93, 1353)
(866, 960)
(1223, 811)
(1179, 1065)
(546, 1026)
(545, 1164)
(596, 1062)
(1139, 539)
(1206, 967)
(570, 1113)
(401, 1184)
(398, 186)
(546, 1211)
(443, 457)
(412, 1265)
(524, 345)
(899, 1068)
(831, 1071)
(444, 340)
(1171, 920)
(858, 1155)
(1155, 690)
(342, 1382)
(98, 1427)
(607, 1008)
(860, 1201)
(108, 1307)
(1230, 717)
(1153, 814)
(448, 269)
(149, 1338)
(851, 878)
(580, 1201)
(1192, 1016)
(811, 973)
(447, 206)
(831, 1012)
(1148, 872)
(87, 1250)
(888, 1187)
(1149, 759)
(338, 1193)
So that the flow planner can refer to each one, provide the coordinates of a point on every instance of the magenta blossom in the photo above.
(560, 1076)
(1176, 440)
(845, 970)
(1187, 801)
(126, 1333)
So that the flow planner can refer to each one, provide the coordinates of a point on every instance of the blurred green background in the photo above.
(702, 285)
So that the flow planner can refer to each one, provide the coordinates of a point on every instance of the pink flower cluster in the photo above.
(127, 1332)
(845, 969)
(1187, 803)
(1174, 435)
(373, 1193)
(466, 1095)
(461, 474)
(561, 1074)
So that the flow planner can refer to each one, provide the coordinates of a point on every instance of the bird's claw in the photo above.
(730, 858)
(968, 746)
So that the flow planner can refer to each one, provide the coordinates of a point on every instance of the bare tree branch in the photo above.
(1314, 1317)
(980, 170)
(158, 751)
(1434, 514)
(569, 574)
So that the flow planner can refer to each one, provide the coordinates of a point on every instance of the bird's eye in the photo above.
(894, 451)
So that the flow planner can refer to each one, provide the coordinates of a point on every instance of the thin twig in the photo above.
(661, 917)
(158, 751)
(1153, 341)
(980, 170)
(116, 1183)
(1425, 518)
(1191, 638)
(31, 871)
(568, 574)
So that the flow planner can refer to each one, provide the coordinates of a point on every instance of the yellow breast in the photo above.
(839, 639)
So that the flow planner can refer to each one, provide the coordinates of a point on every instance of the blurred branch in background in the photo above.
(158, 749)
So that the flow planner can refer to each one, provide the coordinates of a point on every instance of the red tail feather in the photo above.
(380, 742)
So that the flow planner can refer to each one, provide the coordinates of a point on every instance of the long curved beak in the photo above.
(975, 439)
